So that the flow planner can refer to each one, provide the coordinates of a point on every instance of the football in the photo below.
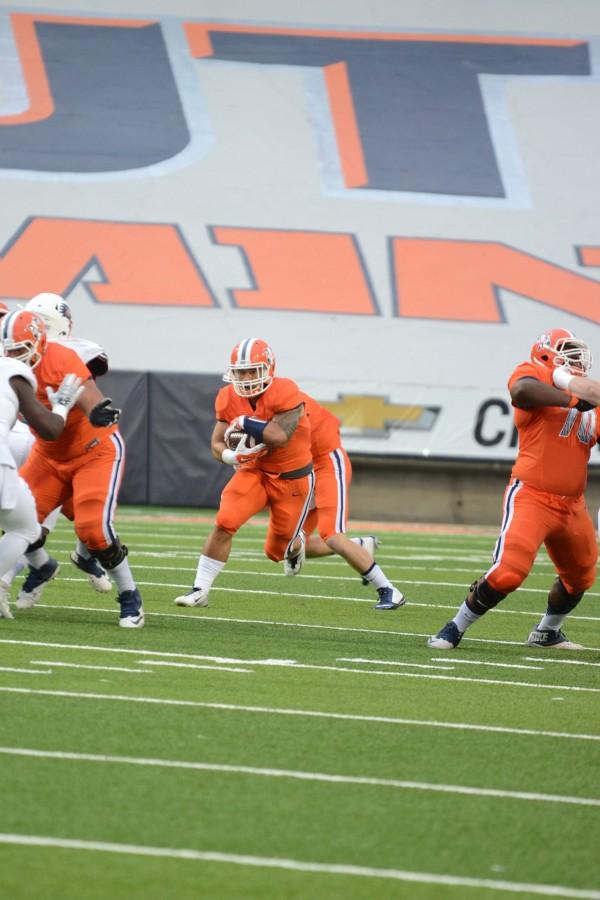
(236, 436)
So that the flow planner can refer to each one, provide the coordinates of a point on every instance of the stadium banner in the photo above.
(399, 205)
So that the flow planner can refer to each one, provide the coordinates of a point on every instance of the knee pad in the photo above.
(483, 597)
(111, 556)
(560, 602)
(37, 545)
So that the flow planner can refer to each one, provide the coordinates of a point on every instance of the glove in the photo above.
(104, 414)
(236, 425)
(584, 406)
(65, 396)
(242, 454)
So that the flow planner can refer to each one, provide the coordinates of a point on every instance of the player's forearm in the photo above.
(583, 388)
(528, 393)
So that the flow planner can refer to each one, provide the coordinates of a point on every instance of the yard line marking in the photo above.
(292, 664)
(482, 662)
(25, 671)
(299, 775)
(303, 713)
(387, 662)
(566, 662)
(178, 665)
(544, 890)
(67, 665)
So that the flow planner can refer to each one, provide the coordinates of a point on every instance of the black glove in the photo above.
(104, 414)
(584, 406)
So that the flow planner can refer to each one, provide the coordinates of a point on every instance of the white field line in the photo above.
(302, 713)
(202, 658)
(292, 664)
(472, 662)
(67, 665)
(25, 671)
(297, 775)
(567, 662)
(263, 862)
(370, 599)
(192, 615)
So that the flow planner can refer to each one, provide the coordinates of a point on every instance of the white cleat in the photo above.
(293, 562)
(34, 584)
(5, 612)
(370, 543)
(96, 575)
(548, 639)
(195, 597)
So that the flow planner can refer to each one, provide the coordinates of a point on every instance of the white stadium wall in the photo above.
(400, 197)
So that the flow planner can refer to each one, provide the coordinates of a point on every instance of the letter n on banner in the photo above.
(301, 271)
(460, 280)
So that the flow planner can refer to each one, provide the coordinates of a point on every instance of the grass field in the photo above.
(291, 742)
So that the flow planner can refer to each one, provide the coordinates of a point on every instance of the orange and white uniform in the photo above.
(83, 469)
(333, 472)
(544, 502)
(282, 479)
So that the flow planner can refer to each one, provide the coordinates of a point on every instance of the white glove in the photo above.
(236, 425)
(242, 452)
(65, 396)
(562, 377)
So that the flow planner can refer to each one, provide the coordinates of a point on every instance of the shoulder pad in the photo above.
(15, 367)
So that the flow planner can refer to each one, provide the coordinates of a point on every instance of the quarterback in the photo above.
(262, 430)
(543, 502)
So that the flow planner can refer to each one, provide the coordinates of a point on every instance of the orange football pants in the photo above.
(532, 518)
(333, 474)
(251, 490)
(86, 487)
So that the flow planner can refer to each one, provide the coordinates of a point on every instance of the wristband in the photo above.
(562, 378)
(254, 427)
(60, 410)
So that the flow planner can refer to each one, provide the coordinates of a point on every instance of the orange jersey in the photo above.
(79, 434)
(324, 427)
(554, 442)
(281, 395)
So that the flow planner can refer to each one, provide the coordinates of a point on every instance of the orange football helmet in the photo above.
(560, 347)
(23, 336)
(251, 367)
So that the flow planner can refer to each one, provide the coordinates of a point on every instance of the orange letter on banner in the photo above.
(461, 280)
(147, 264)
(306, 271)
(589, 256)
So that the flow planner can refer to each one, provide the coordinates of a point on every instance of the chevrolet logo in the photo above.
(377, 417)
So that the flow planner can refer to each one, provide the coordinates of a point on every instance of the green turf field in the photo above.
(291, 742)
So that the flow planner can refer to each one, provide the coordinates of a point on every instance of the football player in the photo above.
(56, 313)
(18, 516)
(276, 472)
(333, 472)
(81, 472)
(544, 502)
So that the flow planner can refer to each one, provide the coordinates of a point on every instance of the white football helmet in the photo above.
(55, 312)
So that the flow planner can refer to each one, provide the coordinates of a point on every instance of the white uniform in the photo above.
(17, 507)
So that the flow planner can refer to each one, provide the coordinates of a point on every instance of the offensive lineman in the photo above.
(544, 501)
(18, 515)
(83, 468)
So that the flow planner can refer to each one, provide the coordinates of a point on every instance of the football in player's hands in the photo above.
(232, 440)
